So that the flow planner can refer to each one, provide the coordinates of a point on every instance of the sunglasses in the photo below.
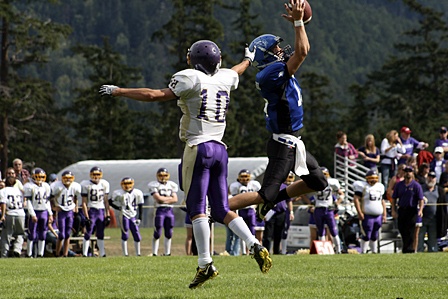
(408, 170)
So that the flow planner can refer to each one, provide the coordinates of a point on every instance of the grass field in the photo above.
(293, 276)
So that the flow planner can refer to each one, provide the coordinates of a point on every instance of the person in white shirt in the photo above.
(391, 150)
(13, 217)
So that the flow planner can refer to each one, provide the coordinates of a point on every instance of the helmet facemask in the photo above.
(96, 175)
(163, 176)
(39, 176)
(127, 184)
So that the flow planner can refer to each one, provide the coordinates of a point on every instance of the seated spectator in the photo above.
(443, 141)
(438, 163)
(410, 144)
(344, 148)
(369, 152)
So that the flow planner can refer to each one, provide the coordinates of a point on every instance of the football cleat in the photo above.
(202, 275)
(262, 209)
(261, 255)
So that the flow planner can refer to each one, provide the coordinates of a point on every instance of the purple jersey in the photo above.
(408, 195)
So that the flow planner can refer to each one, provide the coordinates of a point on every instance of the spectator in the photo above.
(429, 220)
(344, 148)
(369, 152)
(422, 173)
(21, 174)
(443, 141)
(244, 184)
(407, 204)
(2, 184)
(37, 192)
(164, 193)
(371, 209)
(95, 206)
(438, 163)
(129, 201)
(65, 195)
(443, 182)
(12, 217)
(410, 144)
(391, 150)
(11, 172)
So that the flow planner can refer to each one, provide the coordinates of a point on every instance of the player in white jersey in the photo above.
(245, 184)
(13, 217)
(37, 193)
(65, 195)
(129, 201)
(371, 207)
(95, 206)
(325, 202)
(164, 193)
(203, 94)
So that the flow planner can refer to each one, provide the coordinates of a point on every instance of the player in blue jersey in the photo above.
(284, 114)
(203, 95)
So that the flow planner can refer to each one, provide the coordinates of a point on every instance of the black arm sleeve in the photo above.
(140, 212)
(111, 203)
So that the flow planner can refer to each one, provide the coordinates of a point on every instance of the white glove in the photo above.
(249, 55)
(137, 222)
(107, 89)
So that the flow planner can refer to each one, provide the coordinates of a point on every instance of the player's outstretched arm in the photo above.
(301, 43)
(247, 61)
(139, 94)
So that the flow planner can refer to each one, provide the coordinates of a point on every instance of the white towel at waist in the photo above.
(300, 165)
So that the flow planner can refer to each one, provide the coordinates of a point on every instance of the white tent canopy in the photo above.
(144, 171)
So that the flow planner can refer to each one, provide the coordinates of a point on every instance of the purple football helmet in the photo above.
(205, 56)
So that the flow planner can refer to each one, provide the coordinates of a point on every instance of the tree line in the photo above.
(55, 57)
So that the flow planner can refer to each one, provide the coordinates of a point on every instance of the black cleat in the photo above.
(262, 209)
(261, 255)
(202, 275)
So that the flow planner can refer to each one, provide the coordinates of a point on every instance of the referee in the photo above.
(407, 204)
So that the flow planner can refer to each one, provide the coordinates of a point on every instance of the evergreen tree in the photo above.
(28, 118)
(412, 87)
(104, 124)
(245, 133)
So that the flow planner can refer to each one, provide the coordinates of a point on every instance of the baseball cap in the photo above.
(52, 177)
(432, 173)
(406, 130)
(408, 168)
(443, 130)
(438, 149)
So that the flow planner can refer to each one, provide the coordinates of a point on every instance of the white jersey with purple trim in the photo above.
(164, 190)
(128, 201)
(204, 101)
(325, 198)
(237, 188)
(65, 197)
(13, 198)
(372, 196)
(39, 196)
(95, 193)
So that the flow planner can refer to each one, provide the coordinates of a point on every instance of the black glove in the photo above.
(88, 223)
(107, 221)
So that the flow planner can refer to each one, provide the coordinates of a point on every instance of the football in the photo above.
(308, 14)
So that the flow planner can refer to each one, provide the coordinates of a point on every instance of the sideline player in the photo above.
(371, 207)
(65, 195)
(203, 94)
(95, 206)
(37, 192)
(129, 201)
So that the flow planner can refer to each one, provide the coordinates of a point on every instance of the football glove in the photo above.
(107, 221)
(248, 54)
(137, 222)
(88, 223)
(107, 89)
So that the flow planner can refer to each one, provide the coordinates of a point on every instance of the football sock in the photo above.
(201, 231)
(40, 247)
(239, 227)
(167, 246)
(373, 246)
(337, 243)
(29, 250)
(124, 247)
(284, 245)
(364, 245)
(85, 247)
(101, 247)
(137, 248)
(155, 246)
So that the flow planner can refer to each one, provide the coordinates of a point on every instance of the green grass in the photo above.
(293, 276)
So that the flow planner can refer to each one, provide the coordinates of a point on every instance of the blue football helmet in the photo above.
(163, 175)
(372, 177)
(205, 56)
(244, 177)
(264, 55)
(39, 176)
